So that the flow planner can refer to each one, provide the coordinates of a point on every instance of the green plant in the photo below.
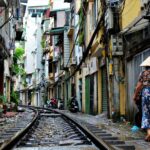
(14, 97)
(19, 51)
(16, 68)
(3, 99)
(43, 44)
(1, 111)
(23, 77)
(81, 38)
(81, 17)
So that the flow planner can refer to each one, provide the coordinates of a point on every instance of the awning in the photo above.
(55, 31)
(139, 24)
(97, 52)
(96, 49)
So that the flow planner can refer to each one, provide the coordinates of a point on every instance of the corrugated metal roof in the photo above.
(56, 31)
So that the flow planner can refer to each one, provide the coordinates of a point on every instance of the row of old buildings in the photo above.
(90, 49)
(11, 19)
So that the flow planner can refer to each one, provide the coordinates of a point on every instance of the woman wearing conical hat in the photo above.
(143, 87)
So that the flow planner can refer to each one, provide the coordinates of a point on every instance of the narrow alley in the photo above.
(75, 74)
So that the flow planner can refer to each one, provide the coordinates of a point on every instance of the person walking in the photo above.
(143, 88)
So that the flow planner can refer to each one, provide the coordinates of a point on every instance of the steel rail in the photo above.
(97, 141)
(10, 143)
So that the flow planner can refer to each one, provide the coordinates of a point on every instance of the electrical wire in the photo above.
(138, 20)
(123, 6)
(85, 54)
(6, 21)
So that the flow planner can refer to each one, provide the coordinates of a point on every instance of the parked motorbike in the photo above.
(74, 105)
(52, 103)
(61, 104)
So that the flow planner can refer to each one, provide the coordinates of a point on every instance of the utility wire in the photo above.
(123, 6)
(138, 20)
(85, 53)
(6, 21)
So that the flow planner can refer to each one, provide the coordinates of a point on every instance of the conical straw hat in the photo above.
(146, 62)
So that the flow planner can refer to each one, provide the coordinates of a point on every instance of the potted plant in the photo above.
(3, 101)
(14, 100)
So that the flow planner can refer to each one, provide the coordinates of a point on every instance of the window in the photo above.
(29, 77)
(31, 11)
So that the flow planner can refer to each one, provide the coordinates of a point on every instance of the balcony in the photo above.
(3, 3)
(73, 61)
(70, 31)
(55, 31)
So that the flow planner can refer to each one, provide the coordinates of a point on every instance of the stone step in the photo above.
(126, 147)
(109, 138)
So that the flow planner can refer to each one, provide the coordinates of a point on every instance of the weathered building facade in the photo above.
(33, 92)
(136, 36)
(92, 50)
(9, 18)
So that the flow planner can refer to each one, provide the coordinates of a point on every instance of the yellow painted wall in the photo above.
(132, 9)
(83, 89)
(99, 92)
(122, 92)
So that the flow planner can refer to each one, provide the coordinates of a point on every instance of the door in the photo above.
(37, 99)
(92, 94)
(8, 88)
(87, 94)
(80, 94)
(104, 90)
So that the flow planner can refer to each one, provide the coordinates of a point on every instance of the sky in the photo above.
(58, 4)
(38, 2)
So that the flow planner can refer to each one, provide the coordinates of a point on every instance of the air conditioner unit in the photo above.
(109, 21)
(117, 45)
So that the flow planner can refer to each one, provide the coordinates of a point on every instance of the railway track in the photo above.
(52, 130)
